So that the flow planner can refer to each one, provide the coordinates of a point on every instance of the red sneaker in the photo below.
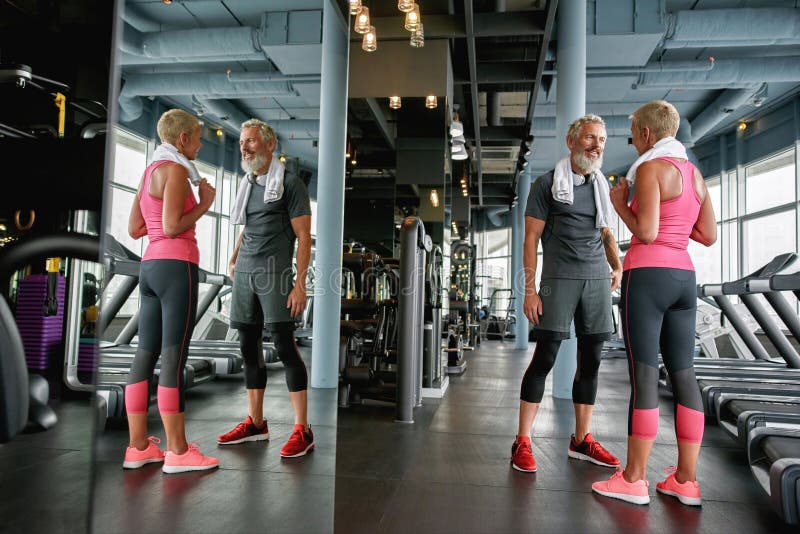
(617, 487)
(688, 492)
(591, 450)
(245, 431)
(134, 458)
(300, 443)
(522, 455)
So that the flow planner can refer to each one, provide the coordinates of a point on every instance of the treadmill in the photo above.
(774, 457)
(122, 261)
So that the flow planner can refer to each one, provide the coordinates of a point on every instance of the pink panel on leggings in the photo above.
(645, 424)
(168, 400)
(689, 424)
(136, 397)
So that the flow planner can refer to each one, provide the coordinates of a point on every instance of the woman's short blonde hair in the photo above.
(174, 122)
(660, 116)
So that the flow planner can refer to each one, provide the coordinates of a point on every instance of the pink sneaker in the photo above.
(191, 460)
(617, 487)
(688, 492)
(134, 458)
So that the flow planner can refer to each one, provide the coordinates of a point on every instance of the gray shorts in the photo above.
(259, 298)
(588, 302)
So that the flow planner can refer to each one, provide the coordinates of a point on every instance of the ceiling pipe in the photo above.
(493, 215)
(231, 116)
(656, 66)
(719, 110)
(238, 77)
(728, 73)
(189, 45)
(209, 86)
(493, 116)
(733, 27)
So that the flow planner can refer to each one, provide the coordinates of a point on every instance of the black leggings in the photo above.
(584, 386)
(255, 371)
(658, 309)
(167, 310)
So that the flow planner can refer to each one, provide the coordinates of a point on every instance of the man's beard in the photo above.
(252, 166)
(586, 164)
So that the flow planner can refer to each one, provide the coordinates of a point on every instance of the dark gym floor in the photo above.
(450, 471)
(253, 491)
(46, 475)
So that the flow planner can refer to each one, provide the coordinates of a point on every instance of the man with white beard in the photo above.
(274, 207)
(569, 211)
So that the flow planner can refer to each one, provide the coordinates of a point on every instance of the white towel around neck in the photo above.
(166, 151)
(563, 192)
(667, 147)
(273, 189)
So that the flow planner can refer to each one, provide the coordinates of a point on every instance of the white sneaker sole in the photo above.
(172, 469)
(689, 501)
(259, 437)
(302, 453)
(635, 499)
(140, 463)
(521, 470)
(579, 456)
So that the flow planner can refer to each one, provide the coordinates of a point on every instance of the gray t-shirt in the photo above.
(268, 242)
(572, 247)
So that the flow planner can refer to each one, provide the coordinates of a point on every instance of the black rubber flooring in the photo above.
(254, 490)
(450, 471)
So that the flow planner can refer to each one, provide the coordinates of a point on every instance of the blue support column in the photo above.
(330, 197)
(517, 266)
(570, 104)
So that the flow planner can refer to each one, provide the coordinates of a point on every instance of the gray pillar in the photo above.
(330, 197)
(517, 266)
(570, 104)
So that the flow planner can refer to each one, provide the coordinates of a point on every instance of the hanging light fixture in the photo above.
(362, 21)
(430, 101)
(370, 40)
(458, 152)
(418, 37)
(405, 5)
(413, 18)
(434, 198)
(282, 158)
(354, 159)
(394, 102)
(347, 149)
(456, 126)
(355, 6)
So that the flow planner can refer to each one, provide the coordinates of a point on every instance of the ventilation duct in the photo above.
(729, 101)
(193, 45)
(203, 86)
(733, 27)
(728, 73)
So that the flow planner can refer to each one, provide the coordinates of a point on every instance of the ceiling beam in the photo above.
(452, 27)
(380, 120)
(550, 10)
(476, 116)
(516, 72)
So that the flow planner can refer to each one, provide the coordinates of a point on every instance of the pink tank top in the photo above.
(676, 220)
(161, 247)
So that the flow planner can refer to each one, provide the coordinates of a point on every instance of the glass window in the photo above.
(313, 218)
(206, 234)
(730, 195)
(225, 248)
(130, 158)
(766, 237)
(225, 209)
(707, 260)
(715, 194)
(121, 202)
(730, 251)
(770, 182)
